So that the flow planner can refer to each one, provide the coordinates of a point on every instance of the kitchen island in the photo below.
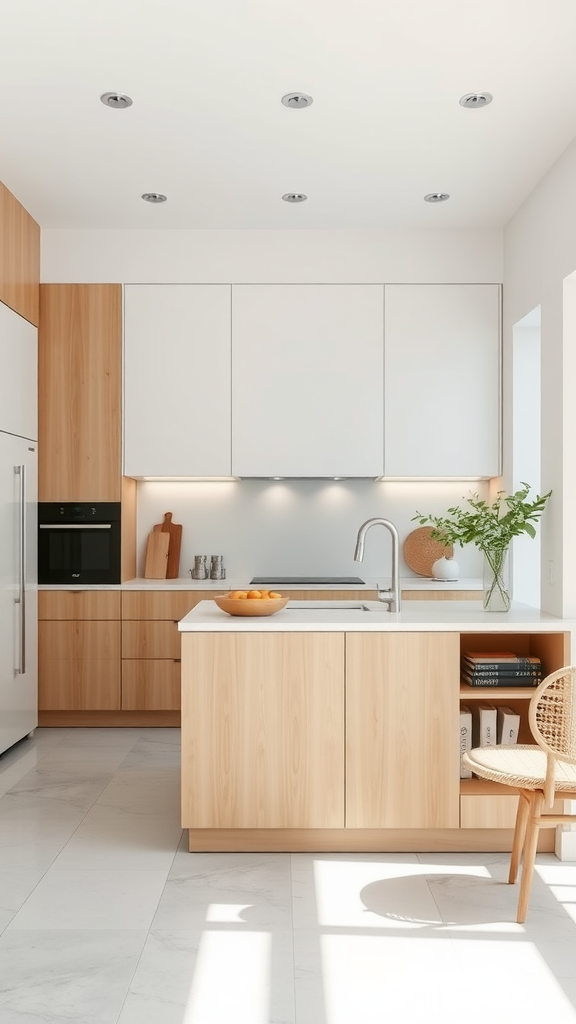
(335, 726)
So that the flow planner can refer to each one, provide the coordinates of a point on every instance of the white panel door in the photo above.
(442, 380)
(307, 380)
(177, 380)
(19, 374)
(18, 589)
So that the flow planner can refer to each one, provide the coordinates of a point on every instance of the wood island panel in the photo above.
(263, 730)
(402, 755)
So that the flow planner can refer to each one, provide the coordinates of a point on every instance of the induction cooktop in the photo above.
(307, 579)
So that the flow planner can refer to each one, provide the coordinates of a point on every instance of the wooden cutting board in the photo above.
(156, 556)
(174, 532)
(421, 551)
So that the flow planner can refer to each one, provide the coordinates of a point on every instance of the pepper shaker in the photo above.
(200, 570)
(217, 570)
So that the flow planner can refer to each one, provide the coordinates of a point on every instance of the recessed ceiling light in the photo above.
(154, 197)
(116, 100)
(436, 197)
(297, 100)
(294, 197)
(472, 100)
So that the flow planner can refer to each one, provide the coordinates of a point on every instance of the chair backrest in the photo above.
(552, 717)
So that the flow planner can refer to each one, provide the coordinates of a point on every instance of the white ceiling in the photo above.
(207, 127)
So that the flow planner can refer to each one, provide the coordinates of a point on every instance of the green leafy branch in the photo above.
(488, 525)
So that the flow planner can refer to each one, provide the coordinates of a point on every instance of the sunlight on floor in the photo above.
(231, 979)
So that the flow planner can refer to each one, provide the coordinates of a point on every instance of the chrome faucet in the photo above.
(392, 596)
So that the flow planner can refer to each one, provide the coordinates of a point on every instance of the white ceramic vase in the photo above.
(445, 569)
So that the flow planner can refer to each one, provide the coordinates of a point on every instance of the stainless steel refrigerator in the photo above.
(18, 528)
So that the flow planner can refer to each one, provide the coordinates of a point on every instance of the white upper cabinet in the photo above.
(177, 380)
(307, 380)
(442, 380)
(19, 376)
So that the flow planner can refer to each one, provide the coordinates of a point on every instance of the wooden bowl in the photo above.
(251, 606)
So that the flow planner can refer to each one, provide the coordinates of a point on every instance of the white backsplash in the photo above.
(297, 527)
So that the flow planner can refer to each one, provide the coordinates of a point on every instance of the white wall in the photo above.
(300, 527)
(539, 254)
(272, 256)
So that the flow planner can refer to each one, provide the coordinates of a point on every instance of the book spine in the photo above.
(501, 681)
(524, 663)
(502, 675)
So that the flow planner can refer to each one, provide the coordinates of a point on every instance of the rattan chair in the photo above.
(541, 772)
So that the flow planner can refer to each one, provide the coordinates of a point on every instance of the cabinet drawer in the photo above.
(158, 604)
(79, 666)
(152, 685)
(79, 604)
(150, 639)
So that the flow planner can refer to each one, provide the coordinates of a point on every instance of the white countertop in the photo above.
(415, 616)
(243, 583)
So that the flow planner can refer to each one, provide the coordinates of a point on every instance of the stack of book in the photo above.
(500, 668)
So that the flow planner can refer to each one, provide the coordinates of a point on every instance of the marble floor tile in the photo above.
(56, 977)
(181, 977)
(130, 841)
(92, 899)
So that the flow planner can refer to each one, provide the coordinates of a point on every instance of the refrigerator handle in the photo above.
(21, 599)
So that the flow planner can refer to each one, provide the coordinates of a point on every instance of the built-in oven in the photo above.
(78, 542)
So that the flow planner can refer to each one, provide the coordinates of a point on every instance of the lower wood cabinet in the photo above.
(151, 647)
(79, 651)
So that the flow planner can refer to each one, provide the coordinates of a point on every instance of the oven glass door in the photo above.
(79, 552)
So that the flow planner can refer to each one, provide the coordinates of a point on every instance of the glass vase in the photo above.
(496, 580)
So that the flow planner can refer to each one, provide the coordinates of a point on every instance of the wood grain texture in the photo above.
(79, 410)
(109, 719)
(488, 811)
(79, 666)
(150, 638)
(350, 840)
(263, 730)
(156, 556)
(161, 604)
(174, 531)
(402, 752)
(150, 685)
(78, 604)
(19, 257)
(128, 529)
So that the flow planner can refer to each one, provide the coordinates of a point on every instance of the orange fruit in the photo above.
(273, 594)
(264, 593)
(254, 594)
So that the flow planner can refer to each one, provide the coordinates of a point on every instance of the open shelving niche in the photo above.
(553, 649)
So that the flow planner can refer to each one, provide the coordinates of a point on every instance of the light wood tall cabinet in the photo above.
(19, 258)
(307, 380)
(177, 379)
(80, 399)
(442, 380)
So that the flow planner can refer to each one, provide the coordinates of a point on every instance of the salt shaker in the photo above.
(200, 570)
(217, 570)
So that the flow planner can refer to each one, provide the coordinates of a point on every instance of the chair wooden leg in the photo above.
(519, 833)
(529, 857)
